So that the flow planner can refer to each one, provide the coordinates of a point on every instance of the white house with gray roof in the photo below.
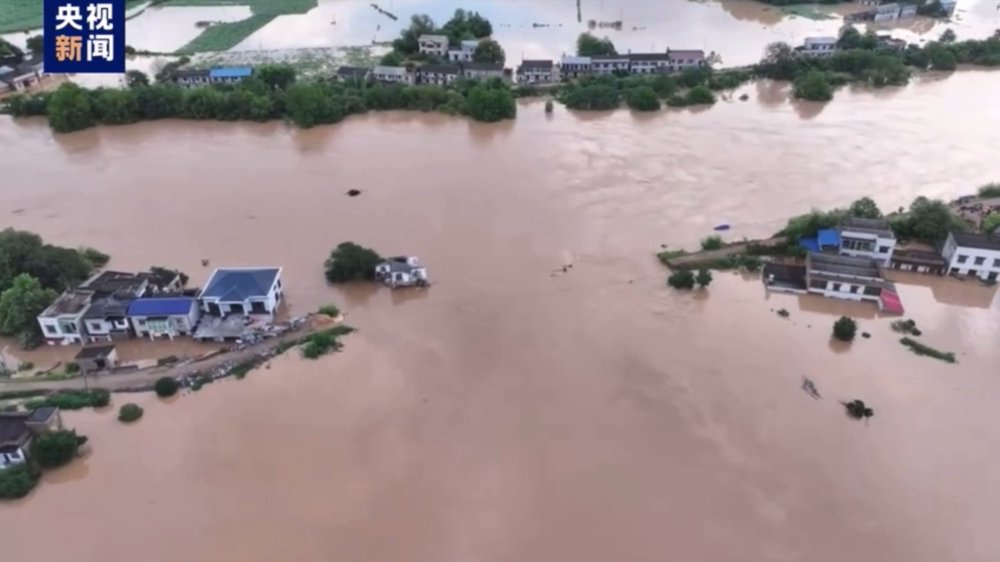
(867, 238)
(242, 290)
(401, 271)
(392, 75)
(819, 46)
(973, 253)
(536, 72)
(464, 52)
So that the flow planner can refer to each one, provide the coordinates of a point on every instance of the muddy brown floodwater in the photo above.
(509, 414)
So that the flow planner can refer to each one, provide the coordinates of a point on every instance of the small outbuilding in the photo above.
(97, 357)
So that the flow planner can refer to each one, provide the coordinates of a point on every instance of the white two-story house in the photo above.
(170, 316)
(574, 67)
(536, 72)
(819, 46)
(867, 238)
(438, 74)
(464, 52)
(648, 63)
(242, 290)
(436, 45)
(973, 253)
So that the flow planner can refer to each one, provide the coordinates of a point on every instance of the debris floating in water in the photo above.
(723, 226)
(353, 193)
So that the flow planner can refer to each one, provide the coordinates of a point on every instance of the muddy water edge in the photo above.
(515, 412)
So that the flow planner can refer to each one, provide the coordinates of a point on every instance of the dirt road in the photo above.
(148, 376)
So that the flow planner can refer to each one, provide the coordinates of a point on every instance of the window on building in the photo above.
(873, 291)
(992, 276)
(854, 289)
(883, 249)
(979, 261)
(836, 286)
(996, 263)
(96, 326)
(962, 259)
(50, 329)
(817, 284)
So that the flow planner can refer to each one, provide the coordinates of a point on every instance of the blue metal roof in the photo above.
(240, 284)
(230, 72)
(828, 237)
(811, 244)
(161, 306)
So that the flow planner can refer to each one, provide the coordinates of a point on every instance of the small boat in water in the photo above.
(723, 226)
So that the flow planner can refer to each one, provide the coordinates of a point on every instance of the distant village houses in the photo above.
(537, 72)
(883, 12)
(18, 77)
(190, 78)
(632, 63)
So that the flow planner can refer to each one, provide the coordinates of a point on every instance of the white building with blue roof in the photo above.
(242, 290)
(154, 317)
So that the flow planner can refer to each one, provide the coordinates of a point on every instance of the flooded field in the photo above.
(515, 412)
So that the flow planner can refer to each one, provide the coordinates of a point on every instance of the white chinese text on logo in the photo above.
(101, 46)
(99, 16)
(68, 15)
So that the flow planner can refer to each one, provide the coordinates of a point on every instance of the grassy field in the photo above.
(225, 36)
(222, 37)
(22, 15)
(258, 7)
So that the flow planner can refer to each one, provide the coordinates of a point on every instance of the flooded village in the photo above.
(550, 395)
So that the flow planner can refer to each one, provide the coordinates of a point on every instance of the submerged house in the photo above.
(536, 72)
(172, 316)
(835, 276)
(96, 358)
(972, 253)
(242, 290)
(17, 429)
(96, 310)
(401, 271)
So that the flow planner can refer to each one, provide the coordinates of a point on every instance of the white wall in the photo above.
(875, 240)
(988, 269)
(10, 459)
(843, 291)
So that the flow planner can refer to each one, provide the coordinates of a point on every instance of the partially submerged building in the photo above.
(17, 429)
(836, 276)
(402, 271)
(972, 253)
(242, 291)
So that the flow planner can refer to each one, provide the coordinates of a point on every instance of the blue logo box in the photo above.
(84, 36)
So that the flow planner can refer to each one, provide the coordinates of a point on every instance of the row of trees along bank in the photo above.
(274, 92)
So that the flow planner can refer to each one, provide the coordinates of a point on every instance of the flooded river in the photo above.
(515, 412)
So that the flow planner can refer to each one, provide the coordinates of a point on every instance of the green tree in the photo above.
(700, 95)
(351, 262)
(479, 26)
(990, 222)
(393, 58)
(642, 98)
(408, 41)
(489, 103)
(54, 267)
(20, 306)
(53, 449)
(812, 86)
(276, 76)
(129, 412)
(681, 279)
(17, 481)
(928, 221)
(165, 387)
(114, 106)
(489, 50)
(34, 44)
(865, 208)
(587, 45)
(947, 37)
(941, 57)
(69, 109)
(845, 329)
(703, 278)
(135, 79)
(308, 105)
(850, 38)
(712, 242)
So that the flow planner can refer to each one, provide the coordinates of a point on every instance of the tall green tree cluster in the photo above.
(32, 274)
(463, 25)
(589, 45)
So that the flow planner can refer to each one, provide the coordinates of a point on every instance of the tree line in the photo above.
(272, 93)
(860, 58)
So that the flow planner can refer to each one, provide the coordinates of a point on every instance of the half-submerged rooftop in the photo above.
(836, 264)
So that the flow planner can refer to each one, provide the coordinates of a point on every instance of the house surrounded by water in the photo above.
(167, 316)
(973, 253)
(242, 291)
(194, 77)
(819, 46)
(401, 271)
(18, 429)
(835, 276)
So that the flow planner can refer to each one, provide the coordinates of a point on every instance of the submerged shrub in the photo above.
(165, 386)
(17, 481)
(845, 329)
(129, 412)
(53, 449)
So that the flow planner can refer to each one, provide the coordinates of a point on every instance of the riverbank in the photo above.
(221, 365)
